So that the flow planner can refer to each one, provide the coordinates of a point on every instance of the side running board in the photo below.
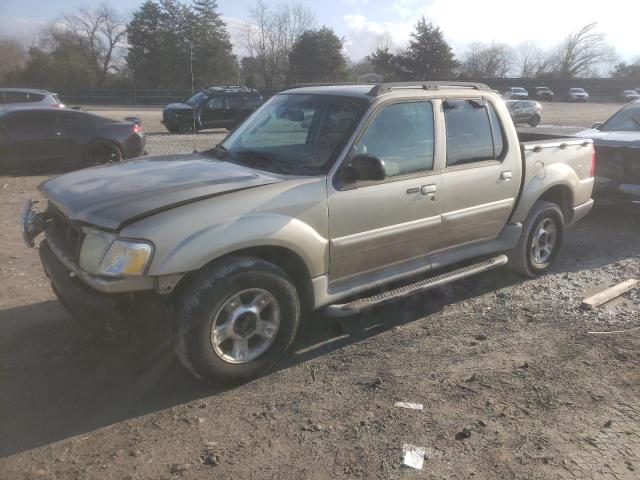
(356, 306)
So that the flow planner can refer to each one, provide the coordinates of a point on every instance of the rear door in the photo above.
(481, 179)
(213, 113)
(394, 222)
(75, 131)
(235, 109)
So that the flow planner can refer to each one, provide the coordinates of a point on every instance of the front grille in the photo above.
(64, 234)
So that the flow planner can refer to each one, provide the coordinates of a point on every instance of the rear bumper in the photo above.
(619, 194)
(134, 146)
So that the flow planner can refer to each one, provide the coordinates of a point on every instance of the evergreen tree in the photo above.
(429, 56)
(144, 57)
(317, 57)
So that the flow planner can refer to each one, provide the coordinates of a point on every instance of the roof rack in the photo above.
(381, 88)
(320, 84)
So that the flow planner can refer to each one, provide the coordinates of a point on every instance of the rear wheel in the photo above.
(236, 320)
(102, 152)
(540, 241)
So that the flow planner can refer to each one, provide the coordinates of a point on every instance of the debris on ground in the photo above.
(609, 294)
(409, 405)
(463, 434)
(413, 456)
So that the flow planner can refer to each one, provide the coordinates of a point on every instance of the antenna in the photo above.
(195, 132)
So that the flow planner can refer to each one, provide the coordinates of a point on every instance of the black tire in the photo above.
(199, 307)
(535, 121)
(521, 258)
(186, 126)
(102, 152)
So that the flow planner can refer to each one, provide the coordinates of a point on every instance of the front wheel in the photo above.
(236, 320)
(540, 241)
(535, 121)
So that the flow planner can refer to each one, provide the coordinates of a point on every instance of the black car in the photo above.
(542, 93)
(57, 139)
(215, 107)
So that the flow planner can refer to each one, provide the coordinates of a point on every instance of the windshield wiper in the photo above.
(262, 158)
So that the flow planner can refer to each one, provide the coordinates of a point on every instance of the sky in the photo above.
(362, 22)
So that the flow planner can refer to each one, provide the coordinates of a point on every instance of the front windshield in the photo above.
(294, 133)
(626, 120)
(197, 100)
(518, 90)
(577, 90)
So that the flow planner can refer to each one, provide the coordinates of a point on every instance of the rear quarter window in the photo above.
(35, 97)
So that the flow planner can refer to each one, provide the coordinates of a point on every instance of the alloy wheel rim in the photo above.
(245, 326)
(544, 241)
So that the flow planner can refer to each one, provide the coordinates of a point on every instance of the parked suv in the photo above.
(320, 198)
(27, 96)
(542, 93)
(516, 93)
(525, 111)
(577, 95)
(214, 107)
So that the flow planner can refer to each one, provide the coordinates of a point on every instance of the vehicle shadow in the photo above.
(58, 381)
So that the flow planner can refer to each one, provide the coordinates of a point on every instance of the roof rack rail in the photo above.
(381, 88)
(319, 84)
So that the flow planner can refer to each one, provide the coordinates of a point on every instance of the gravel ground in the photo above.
(512, 384)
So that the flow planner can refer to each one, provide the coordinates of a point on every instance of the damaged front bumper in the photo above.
(32, 223)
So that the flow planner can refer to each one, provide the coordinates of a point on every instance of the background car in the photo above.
(28, 96)
(542, 93)
(214, 107)
(628, 95)
(577, 95)
(617, 144)
(54, 139)
(516, 93)
(525, 111)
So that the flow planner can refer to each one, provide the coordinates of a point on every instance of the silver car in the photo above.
(28, 96)
(516, 93)
(577, 95)
(525, 111)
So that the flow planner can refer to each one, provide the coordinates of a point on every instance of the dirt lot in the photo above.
(512, 384)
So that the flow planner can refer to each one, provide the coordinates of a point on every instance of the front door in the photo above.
(375, 225)
(31, 139)
(482, 176)
(213, 113)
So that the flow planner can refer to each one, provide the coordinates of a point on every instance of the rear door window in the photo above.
(470, 136)
(35, 97)
(235, 101)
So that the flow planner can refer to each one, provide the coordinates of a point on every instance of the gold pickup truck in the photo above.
(320, 198)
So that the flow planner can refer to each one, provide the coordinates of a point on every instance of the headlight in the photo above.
(94, 247)
(126, 257)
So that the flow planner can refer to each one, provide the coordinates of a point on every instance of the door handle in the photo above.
(505, 176)
(428, 189)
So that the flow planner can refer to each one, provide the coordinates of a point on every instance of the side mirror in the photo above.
(367, 167)
(597, 125)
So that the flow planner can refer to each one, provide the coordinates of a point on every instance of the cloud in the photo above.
(362, 34)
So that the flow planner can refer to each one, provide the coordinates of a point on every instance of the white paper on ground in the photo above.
(412, 456)
(413, 406)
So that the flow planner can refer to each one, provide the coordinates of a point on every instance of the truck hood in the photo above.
(115, 195)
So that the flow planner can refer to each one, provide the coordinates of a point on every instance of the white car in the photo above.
(516, 93)
(577, 95)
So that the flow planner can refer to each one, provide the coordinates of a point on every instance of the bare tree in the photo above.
(582, 52)
(531, 60)
(270, 36)
(96, 34)
(13, 56)
(487, 61)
